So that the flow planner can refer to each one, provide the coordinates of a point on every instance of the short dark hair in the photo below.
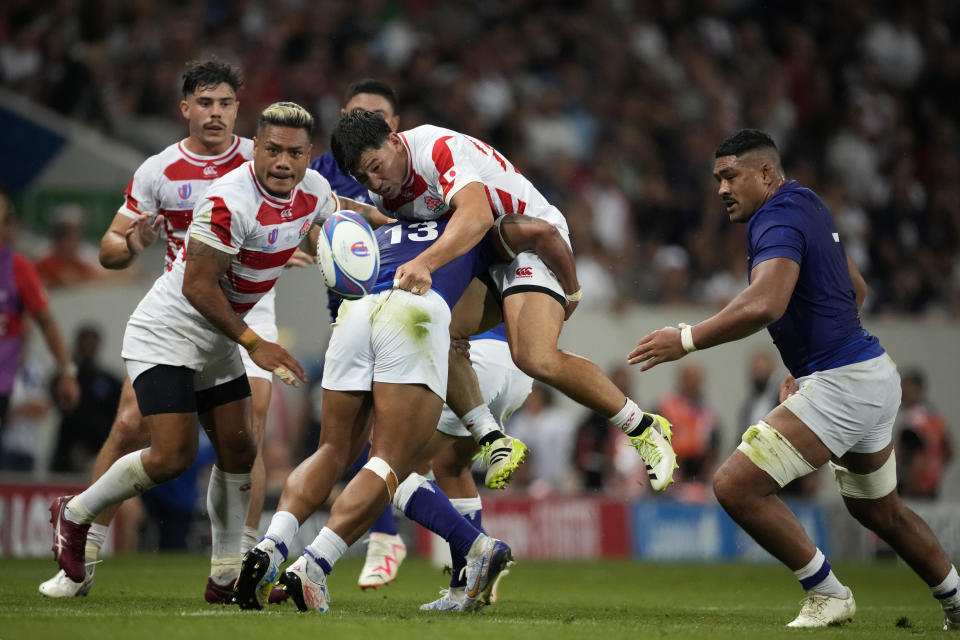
(374, 86)
(355, 133)
(210, 73)
(743, 141)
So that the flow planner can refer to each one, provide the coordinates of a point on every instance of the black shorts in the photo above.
(168, 389)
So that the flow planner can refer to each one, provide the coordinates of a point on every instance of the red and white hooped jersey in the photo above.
(443, 161)
(261, 232)
(172, 182)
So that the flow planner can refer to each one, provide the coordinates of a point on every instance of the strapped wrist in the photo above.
(686, 338)
(249, 340)
(575, 296)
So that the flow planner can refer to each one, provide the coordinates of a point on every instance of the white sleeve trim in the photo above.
(216, 244)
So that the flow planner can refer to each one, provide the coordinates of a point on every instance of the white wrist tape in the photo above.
(686, 338)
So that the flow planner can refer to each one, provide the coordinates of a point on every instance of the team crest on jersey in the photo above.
(274, 234)
(433, 204)
(210, 170)
(184, 191)
(305, 227)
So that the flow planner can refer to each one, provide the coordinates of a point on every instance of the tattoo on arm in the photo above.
(197, 250)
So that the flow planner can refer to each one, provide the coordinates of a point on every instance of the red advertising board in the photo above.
(565, 528)
(25, 517)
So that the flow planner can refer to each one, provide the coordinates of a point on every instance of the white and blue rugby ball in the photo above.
(348, 255)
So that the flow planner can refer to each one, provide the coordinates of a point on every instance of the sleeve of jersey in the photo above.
(454, 167)
(216, 225)
(28, 284)
(780, 241)
(139, 196)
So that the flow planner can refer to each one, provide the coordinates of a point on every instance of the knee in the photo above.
(166, 465)
(128, 433)
(880, 517)
(536, 364)
(728, 488)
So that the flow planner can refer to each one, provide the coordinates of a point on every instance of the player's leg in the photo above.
(170, 418)
(534, 319)
(261, 389)
(127, 434)
(225, 413)
(773, 452)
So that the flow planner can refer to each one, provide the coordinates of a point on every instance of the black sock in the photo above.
(645, 422)
(491, 437)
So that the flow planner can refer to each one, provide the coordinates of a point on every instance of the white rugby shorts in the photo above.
(527, 272)
(850, 408)
(262, 318)
(503, 386)
(393, 336)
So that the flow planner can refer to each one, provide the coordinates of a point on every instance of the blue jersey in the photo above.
(341, 184)
(821, 326)
(499, 332)
(402, 242)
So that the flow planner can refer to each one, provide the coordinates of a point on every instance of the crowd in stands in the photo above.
(613, 108)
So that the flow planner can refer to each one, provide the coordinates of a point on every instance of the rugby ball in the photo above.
(348, 255)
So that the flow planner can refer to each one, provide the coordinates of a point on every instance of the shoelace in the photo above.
(649, 451)
(484, 453)
(813, 605)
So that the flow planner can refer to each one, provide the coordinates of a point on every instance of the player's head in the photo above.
(748, 171)
(365, 147)
(369, 94)
(281, 149)
(210, 102)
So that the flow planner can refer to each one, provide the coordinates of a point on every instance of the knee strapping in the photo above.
(773, 453)
(380, 467)
(406, 490)
(873, 485)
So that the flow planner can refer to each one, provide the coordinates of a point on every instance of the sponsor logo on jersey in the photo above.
(210, 170)
(287, 213)
(305, 227)
(184, 191)
(359, 249)
(525, 272)
(433, 204)
(274, 233)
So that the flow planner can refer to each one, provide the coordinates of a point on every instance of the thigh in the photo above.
(346, 421)
(533, 322)
(803, 439)
(228, 421)
(405, 417)
(467, 315)
(348, 362)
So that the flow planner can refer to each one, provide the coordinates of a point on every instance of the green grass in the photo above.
(160, 596)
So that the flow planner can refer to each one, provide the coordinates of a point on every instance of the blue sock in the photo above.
(385, 523)
(457, 561)
(430, 506)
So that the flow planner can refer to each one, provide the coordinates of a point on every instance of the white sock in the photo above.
(466, 506)
(949, 586)
(124, 479)
(480, 422)
(96, 538)
(228, 499)
(628, 418)
(282, 529)
(817, 576)
(251, 536)
(324, 552)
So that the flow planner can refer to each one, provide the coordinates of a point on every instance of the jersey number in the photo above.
(421, 232)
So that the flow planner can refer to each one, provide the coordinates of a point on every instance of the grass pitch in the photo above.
(161, 596)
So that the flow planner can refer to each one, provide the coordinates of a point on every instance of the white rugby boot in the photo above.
(385, 553)
(501, 458)
(951, 610)
(654, 447)
(451, 599)
(60, 586)
(308, 593)
(818, 610)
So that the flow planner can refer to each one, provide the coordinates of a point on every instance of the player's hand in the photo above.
(67, 392)
(660, 346)
(272, 357)
(461, 346)
(788, 387)
(568, 311)
(300, 258)
(413, 277)
(143, 232)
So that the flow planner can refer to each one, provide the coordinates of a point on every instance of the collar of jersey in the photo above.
(409, 179)
(274, 200)
(205, 160)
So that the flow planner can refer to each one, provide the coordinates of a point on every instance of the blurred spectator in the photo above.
(68, 261)
(550, 432)
(30, 407)
(696, 429)
(763, 389)
(84, 429)
(923, 441)
(22, 295)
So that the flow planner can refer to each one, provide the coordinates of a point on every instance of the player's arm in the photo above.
(523, 233)
(764, 301)
(859, 284)
(205, 266)
(126, 238)
(374, 217)
(471, 220)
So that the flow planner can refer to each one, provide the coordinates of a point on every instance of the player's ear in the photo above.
(185, 109)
